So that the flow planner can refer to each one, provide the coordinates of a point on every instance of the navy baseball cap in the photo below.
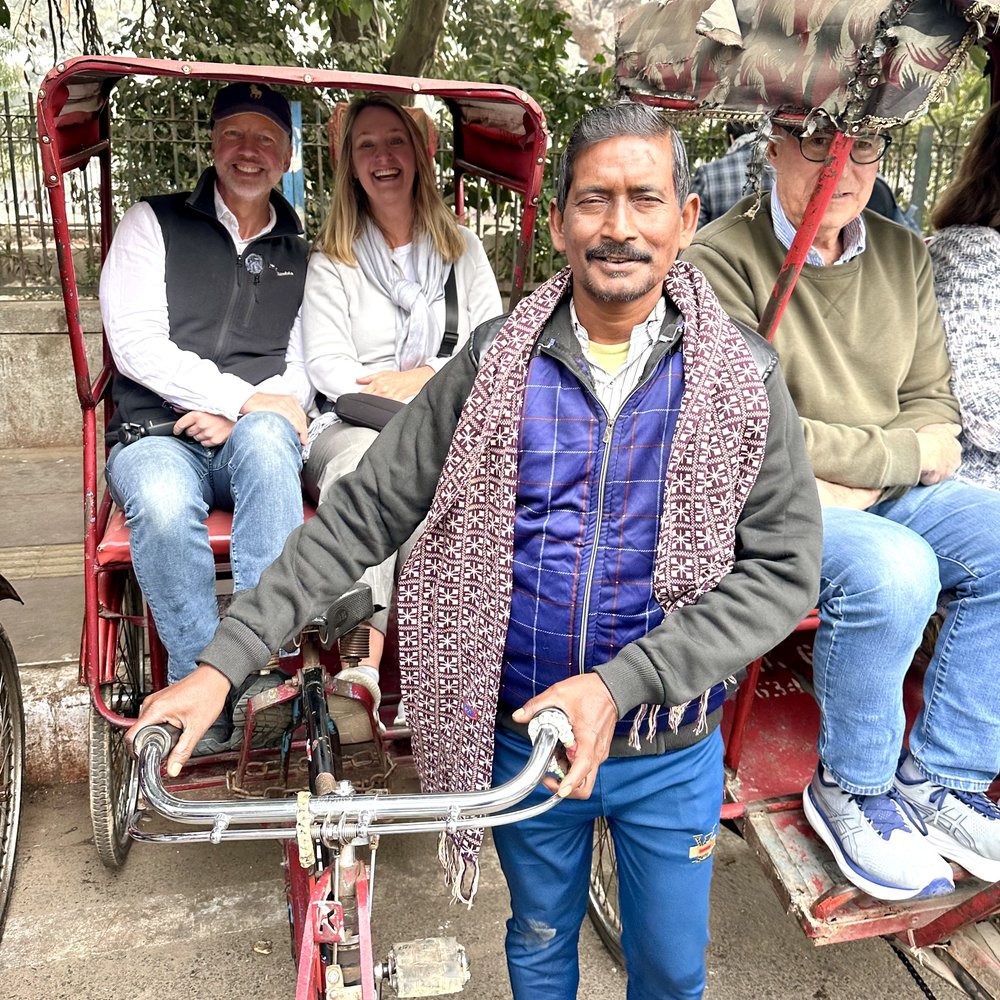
(255, 99)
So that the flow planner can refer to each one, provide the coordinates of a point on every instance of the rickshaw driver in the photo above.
(200, 297)
(625, 517)
(863, 350)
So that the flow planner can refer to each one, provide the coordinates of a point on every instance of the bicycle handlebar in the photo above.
(343, 814)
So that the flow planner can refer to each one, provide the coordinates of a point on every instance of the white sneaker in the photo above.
(874, 846)
(400, 719)
(962, 826)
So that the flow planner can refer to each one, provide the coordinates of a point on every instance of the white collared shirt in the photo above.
(134, 310)
(232, 224)
(613, 389)
(854, 234)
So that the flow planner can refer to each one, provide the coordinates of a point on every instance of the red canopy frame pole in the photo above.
(826, 183)
(55, 170)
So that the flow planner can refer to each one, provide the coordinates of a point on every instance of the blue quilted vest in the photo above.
(589, 500)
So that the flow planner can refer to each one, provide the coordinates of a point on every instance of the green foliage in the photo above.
(525, 44)
(297, 33)
(967, 98)
(232, 31)
(9, 79)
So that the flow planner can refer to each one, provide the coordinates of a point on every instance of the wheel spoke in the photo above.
(113, 771)
(603, 903)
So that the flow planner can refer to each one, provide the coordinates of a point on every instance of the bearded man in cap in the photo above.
(200, 297)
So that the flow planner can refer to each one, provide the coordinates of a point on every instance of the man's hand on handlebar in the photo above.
(192, 705)
(592, 714)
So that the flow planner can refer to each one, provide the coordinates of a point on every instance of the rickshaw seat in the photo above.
(113, 548)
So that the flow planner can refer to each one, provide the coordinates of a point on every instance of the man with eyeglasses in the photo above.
(862, 348)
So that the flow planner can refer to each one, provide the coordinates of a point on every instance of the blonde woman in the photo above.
(373, 312)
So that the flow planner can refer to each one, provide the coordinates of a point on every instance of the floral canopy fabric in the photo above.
(865, 63)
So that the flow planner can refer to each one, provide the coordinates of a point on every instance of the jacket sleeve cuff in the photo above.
(904, 457)
(631, 679)
(235, 651)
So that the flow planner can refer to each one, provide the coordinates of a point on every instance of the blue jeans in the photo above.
(883, 572)
(167, 485)
(664, 814)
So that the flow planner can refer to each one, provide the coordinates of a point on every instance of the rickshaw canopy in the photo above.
(500, 131)
(863, 64)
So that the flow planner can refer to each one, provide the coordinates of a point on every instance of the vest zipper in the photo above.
(234, 297)
(227, 319)
(602, 483)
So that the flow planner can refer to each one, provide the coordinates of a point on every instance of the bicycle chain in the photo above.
(912, 970)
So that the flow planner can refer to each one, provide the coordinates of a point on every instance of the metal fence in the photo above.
(162, 145)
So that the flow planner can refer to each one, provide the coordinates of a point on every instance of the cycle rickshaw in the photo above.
(855, 66)
(330, 821)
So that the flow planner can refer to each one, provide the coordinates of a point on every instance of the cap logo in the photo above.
(255, 92)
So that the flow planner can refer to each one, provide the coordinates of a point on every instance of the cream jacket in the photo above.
(349, 325)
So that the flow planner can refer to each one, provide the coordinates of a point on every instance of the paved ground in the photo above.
(41, 552)
(208, 923)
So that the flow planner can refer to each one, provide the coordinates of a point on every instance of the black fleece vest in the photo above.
(234, 310)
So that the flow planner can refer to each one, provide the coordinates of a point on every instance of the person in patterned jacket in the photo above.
(620, 516)
(966, 257)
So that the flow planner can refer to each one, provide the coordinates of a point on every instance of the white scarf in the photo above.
(418, 333)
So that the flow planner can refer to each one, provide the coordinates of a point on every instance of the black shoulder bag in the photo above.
(364, 409)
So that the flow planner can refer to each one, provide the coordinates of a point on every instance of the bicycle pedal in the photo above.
(428, 967)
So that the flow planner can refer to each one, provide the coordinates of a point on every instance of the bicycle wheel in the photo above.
(11, 769)
(114, 774)
(602, 905)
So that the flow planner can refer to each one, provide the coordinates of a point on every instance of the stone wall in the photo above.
(39, 406)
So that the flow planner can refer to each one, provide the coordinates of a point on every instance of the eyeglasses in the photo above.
(866, 148)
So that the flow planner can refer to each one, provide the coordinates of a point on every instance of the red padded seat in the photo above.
(113, 550)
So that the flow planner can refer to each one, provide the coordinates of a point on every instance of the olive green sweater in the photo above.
(861, 344)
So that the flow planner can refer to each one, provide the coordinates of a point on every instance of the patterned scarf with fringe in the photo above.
(454, 592)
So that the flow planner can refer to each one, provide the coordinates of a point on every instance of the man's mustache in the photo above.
(620, 251)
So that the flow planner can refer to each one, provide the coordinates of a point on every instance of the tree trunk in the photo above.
(417, 37)
(344, 27)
